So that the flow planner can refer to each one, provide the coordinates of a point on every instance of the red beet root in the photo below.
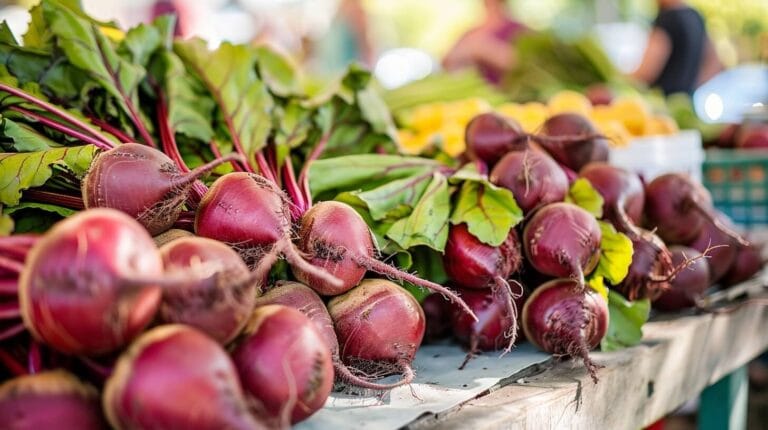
(221, 301)
(489, 136)
(363, 318)
(142, 182)
(284, 364)
(721, 258)
(689, 284)
(572, 140)
(562, 318)
(678, 208)
(299, 296)
(563, 240)
(49, 400)
(748, 262)
(534, 178)
(622, 192)
(91, 284)
(145, 390)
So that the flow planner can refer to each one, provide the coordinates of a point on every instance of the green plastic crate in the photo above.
(738, 181)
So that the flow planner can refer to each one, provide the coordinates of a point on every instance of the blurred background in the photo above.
(404, 40)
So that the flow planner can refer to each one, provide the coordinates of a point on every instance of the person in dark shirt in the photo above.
(679, 55)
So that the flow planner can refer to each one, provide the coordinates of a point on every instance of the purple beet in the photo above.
(689, 284)
(534, 178)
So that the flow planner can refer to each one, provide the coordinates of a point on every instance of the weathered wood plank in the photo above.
(677, 360)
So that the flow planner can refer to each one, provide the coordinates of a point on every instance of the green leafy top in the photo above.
(584, 195)
(626, 320)
(615, 259)
(242, 98)
(411, 201)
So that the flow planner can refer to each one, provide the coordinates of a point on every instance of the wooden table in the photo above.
(679, 357)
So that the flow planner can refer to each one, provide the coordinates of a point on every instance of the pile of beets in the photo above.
(681, 244)
(103, 324)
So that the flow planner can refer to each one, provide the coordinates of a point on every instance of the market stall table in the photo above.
(680, 356)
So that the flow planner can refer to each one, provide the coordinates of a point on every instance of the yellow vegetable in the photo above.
(632, 112)
(660, 125)
(569, 102)
(115, 34)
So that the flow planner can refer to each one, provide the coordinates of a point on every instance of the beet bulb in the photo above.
(572, 140)
(563, 240)
(304, 299)
(678, 208)
(175, 377)
(284, 364)
(562, 318)
(221, 301)
(380, 327)
(622, 192)
(142, 182)
(49, 400)
(534, 178)
(689, 284)
(489, 136)
(92, 283)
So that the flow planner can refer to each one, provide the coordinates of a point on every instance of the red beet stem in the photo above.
(10, 265)
(192, 175)
(380, 267)
(98, 142)
(12, 331)
(9, 311)
(61, 113)
(25, 240)
(296, 259)
(9, 287)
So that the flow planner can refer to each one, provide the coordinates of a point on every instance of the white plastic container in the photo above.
(653, 156)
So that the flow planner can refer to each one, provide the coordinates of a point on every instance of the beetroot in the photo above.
(337, 239)
(49, 400)
(142, 182)
(622, 192)
(174, 376)
(689, 284)
(678, 208)
(474, 264)
(495, 325)
(563, 240)
(489, 136)
(299, 296)
(251, 214)
(220, 302)
(437, 311)
(572, 141)
(748, 262)
(721, 258)
(534, 178)
(380, 327)
(284, 364)
(91, 284)
(651, 269)
(562, 318)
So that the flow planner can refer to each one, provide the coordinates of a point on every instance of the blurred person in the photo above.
(679, 55)
(487, 46)
(347, 39)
